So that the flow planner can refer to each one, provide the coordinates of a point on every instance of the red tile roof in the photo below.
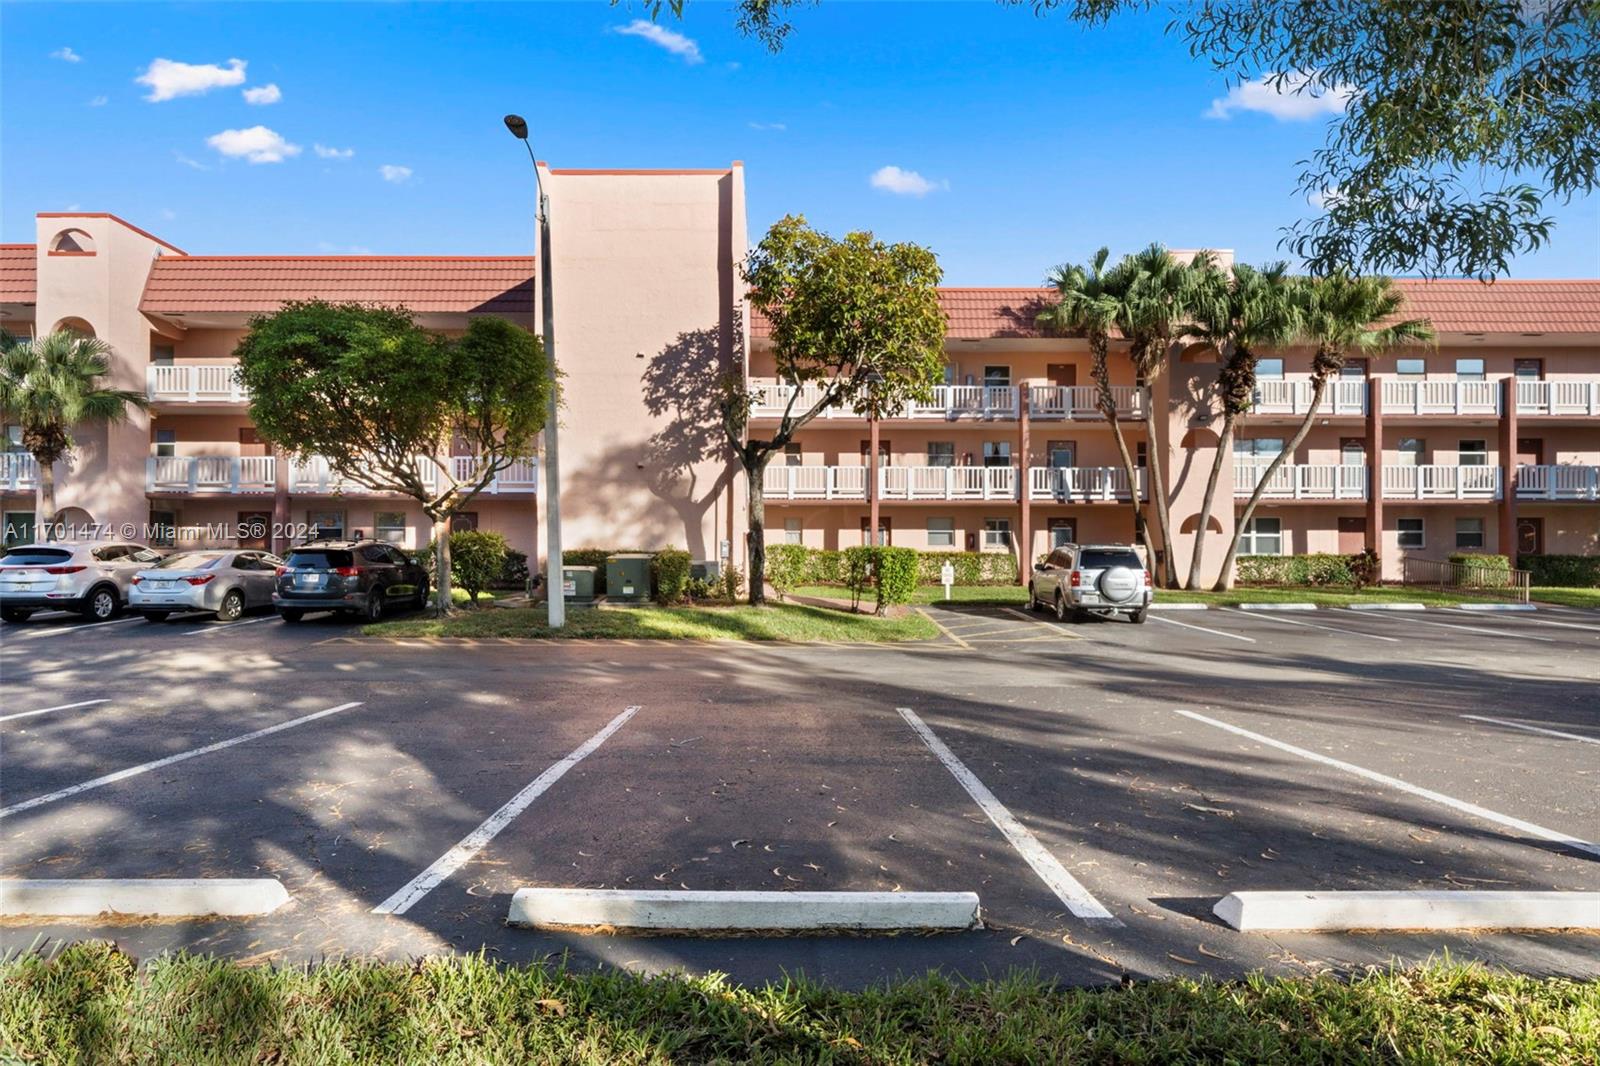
(18, 274)
(420, 283)
(972, 314)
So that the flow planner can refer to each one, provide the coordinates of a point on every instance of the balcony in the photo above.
(1406, 396)
(1311, 481)
(19, 472)
(1081, 402)
(1081, 484)
(954, 403)
(1558, 398)
(194, 383)
(1441, 482)
(1558, 483)
(224, 475)
(1292, 396)
(894, 482)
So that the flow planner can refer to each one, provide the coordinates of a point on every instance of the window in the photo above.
(1410, 451)
(326, 525)
(14, 438)
(941, 532)
(389, 526)
(166, 442)
(1061, 532)
(1530, 369)
(1411, 368)
(164, 528)
(1469, 533)
(1353, 451)
(1141, 455)
(18, 527)
(161, 354)
(1269, 368)
(997, 533)
(464, 521)
(793, 454)
(1256, 449)
(1469, 369)
(1412, 532)
(997, 375)
(793, 533)
(1262, 536)
(941, 453)
(1062, 453)
(1473, 453)
(996, 453)
(1354, 369)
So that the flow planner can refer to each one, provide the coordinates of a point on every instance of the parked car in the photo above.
(360, 577)
(92, 579)
(1099, 579)
(223, 582)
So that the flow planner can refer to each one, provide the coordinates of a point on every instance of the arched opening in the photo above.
(1192, 523)
(75, 326)
(72, 242)
(1201, 437)
(1198, 353)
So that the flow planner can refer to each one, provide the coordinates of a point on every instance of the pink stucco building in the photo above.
(1489, 441)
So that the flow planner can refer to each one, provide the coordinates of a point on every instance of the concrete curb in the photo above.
(1427, 910)
(143, 897)
(772, 912)
(1159, 606)
(1278, 607)
(1496, 607)
(1386, 607)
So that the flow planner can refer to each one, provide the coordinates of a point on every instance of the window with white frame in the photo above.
(1473, 453)
(327, 525)
(793, 454)
(941, 532)
(1412, 533)
(389, 526)
(1469, 533)
(1410, 451)
(997, 534)
(793, 531)
(1411, 368)
(997, 376)
(13, 442)
(1469, 369)
(1262, 536)
(1269, 369)
(166, 442)
(941, 453)
(996, 453)
(1256, 449)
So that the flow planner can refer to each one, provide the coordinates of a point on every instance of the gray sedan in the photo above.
(223, 582)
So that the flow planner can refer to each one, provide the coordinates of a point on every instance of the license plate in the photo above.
(162, 585)
(307, 581)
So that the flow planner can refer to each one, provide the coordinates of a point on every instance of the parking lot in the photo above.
(1127, 777)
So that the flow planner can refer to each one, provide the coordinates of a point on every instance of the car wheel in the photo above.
(1033, 599)
(156, 616)
(15, 614)
(291, 615)
(232, 606)
(1061, 607)
(421, 600)
(373, 611)
(102, 605)
(1138, 617)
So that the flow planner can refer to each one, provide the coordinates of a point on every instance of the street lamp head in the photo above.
(518, 126)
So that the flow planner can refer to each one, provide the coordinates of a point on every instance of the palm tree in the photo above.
(1237, 317)
(1093, 300)
(1339, 314)
(48, 386)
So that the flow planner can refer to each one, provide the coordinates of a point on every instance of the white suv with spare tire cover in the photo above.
(1102, 579)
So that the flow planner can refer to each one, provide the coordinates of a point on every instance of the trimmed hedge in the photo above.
(787, 567)
(477, 557)
(790, 566)
(1312, 569)
(1562, 571)
(890, 572)
(670, 569)
(1490, 571)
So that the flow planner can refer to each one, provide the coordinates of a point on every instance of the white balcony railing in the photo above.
(18, 471)
(960, 402)
(1558, 397)
(1081, 401)
(1441, 482)
(249, 474)
(1310, 481)
(1558, 482)
(1292, 396)
(1081, 483)
(194, 383)
(1409, 396)
(894, 482)
(522, 476)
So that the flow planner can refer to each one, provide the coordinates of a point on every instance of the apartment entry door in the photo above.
(1065, 374)
(1062, 531)
(885, 527)
(1352, 535)
(253, 528)
(1530, 451)
(250, 442)
(1530, 536)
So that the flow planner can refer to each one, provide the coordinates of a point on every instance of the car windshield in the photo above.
(1105, 558)
(34, 556)
(189, 561)
(319, 559)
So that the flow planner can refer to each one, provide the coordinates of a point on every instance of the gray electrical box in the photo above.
(577, 583)
(705, 570)
(628, 578)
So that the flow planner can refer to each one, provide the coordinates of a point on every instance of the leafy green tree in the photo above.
(477, 557)
(1237, 315)
(384, 401)
(49, 386)
(856, 319)
(1340, 315)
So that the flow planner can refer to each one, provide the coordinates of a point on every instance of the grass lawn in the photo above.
(458, 596)
(1566, 597)
(91, 1004)
(1016, 595)
(776, 622)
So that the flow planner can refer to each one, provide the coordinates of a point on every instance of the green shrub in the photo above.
(825, 566)
(972, 568)
(1484, 571)
(788, 566)
(699, 590)
(896, 575)
(857, 571)
(514, 574)
(1313, 569)
(476, 559)
(1562, 571)
(730, 583)
(670, 568)
(1366, 568)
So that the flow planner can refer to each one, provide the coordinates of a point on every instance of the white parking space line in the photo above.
(1313, 625)
(1454, 804)
(182, 756)
(47, 710)
(215, 629)
(1519, 725)
(1203, 629)
(1478, 629)
(475, 841)
(1067, 888)
(56, 631)
(1541, 621)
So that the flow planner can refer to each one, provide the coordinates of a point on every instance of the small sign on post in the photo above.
(947, 577)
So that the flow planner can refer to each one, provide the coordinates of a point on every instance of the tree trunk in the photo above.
(1197, 562)
(45, 519)
(1108, 408)
(1158, 488)
(756, 536)
(441, 564)
(1319, 384)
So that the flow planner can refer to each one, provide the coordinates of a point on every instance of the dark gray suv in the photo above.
(360, 577)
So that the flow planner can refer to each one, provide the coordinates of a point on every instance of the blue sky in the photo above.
(1027, 141)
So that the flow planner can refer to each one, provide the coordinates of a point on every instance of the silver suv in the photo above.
(1101, 579)
(92, 579)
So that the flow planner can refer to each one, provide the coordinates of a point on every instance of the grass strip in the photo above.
(794, 622)
(91, 1004)
(1566, 597)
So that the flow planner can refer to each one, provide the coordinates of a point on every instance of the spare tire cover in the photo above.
(1120, 584)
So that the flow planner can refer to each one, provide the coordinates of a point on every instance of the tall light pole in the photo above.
(555, 582)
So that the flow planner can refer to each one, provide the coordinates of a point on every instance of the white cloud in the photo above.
(73, 208)
(99, 101)
(263, 94)
(188, 162)
(324, 152)
(66, 55)
(1291, 102)
(661, 37)
(395, 174)
(904, 182)
(168, 79)
(775, 127)
(256, 145)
